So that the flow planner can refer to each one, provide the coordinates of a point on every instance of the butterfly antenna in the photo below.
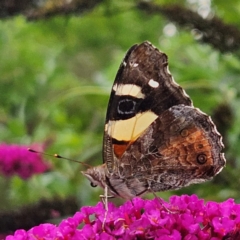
(58, 156)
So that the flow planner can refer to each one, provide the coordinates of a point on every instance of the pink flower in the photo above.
(16, 159)
(185, 217)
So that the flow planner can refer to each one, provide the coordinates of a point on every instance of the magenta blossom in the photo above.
(185, 217)
(16, 159)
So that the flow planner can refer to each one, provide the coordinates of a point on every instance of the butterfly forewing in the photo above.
(142, 90)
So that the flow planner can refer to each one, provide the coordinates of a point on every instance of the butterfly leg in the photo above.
(104, 199)
(141, 193)
(161, 202)
(149, 189)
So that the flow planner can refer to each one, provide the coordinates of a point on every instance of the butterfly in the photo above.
(154, 138)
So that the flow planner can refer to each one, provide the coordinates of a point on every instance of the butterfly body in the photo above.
(154, 139)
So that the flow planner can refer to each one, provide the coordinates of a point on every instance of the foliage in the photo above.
(56, 75)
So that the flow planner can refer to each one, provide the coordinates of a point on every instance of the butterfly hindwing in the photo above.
(179, 148)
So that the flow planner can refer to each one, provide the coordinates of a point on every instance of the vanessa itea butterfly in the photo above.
(154, 139)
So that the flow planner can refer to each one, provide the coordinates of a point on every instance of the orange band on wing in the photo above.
(119, 149)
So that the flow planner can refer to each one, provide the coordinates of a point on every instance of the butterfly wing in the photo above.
(143, 90)
(181, 147)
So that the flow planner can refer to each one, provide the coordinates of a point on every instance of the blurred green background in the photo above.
(56, 75)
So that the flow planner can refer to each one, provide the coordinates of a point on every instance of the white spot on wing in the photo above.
(135, 64)
(128, 90)
(124, 64)
(115, 86)
(152, 83)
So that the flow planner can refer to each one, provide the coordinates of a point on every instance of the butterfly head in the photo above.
(96, 175)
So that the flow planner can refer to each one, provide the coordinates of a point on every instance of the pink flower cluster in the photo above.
(185, 217)
(15, 159)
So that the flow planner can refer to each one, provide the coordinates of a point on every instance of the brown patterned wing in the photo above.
(143, 90)
(181, 147)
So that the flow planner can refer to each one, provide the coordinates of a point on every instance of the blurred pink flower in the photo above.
(16, 159)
